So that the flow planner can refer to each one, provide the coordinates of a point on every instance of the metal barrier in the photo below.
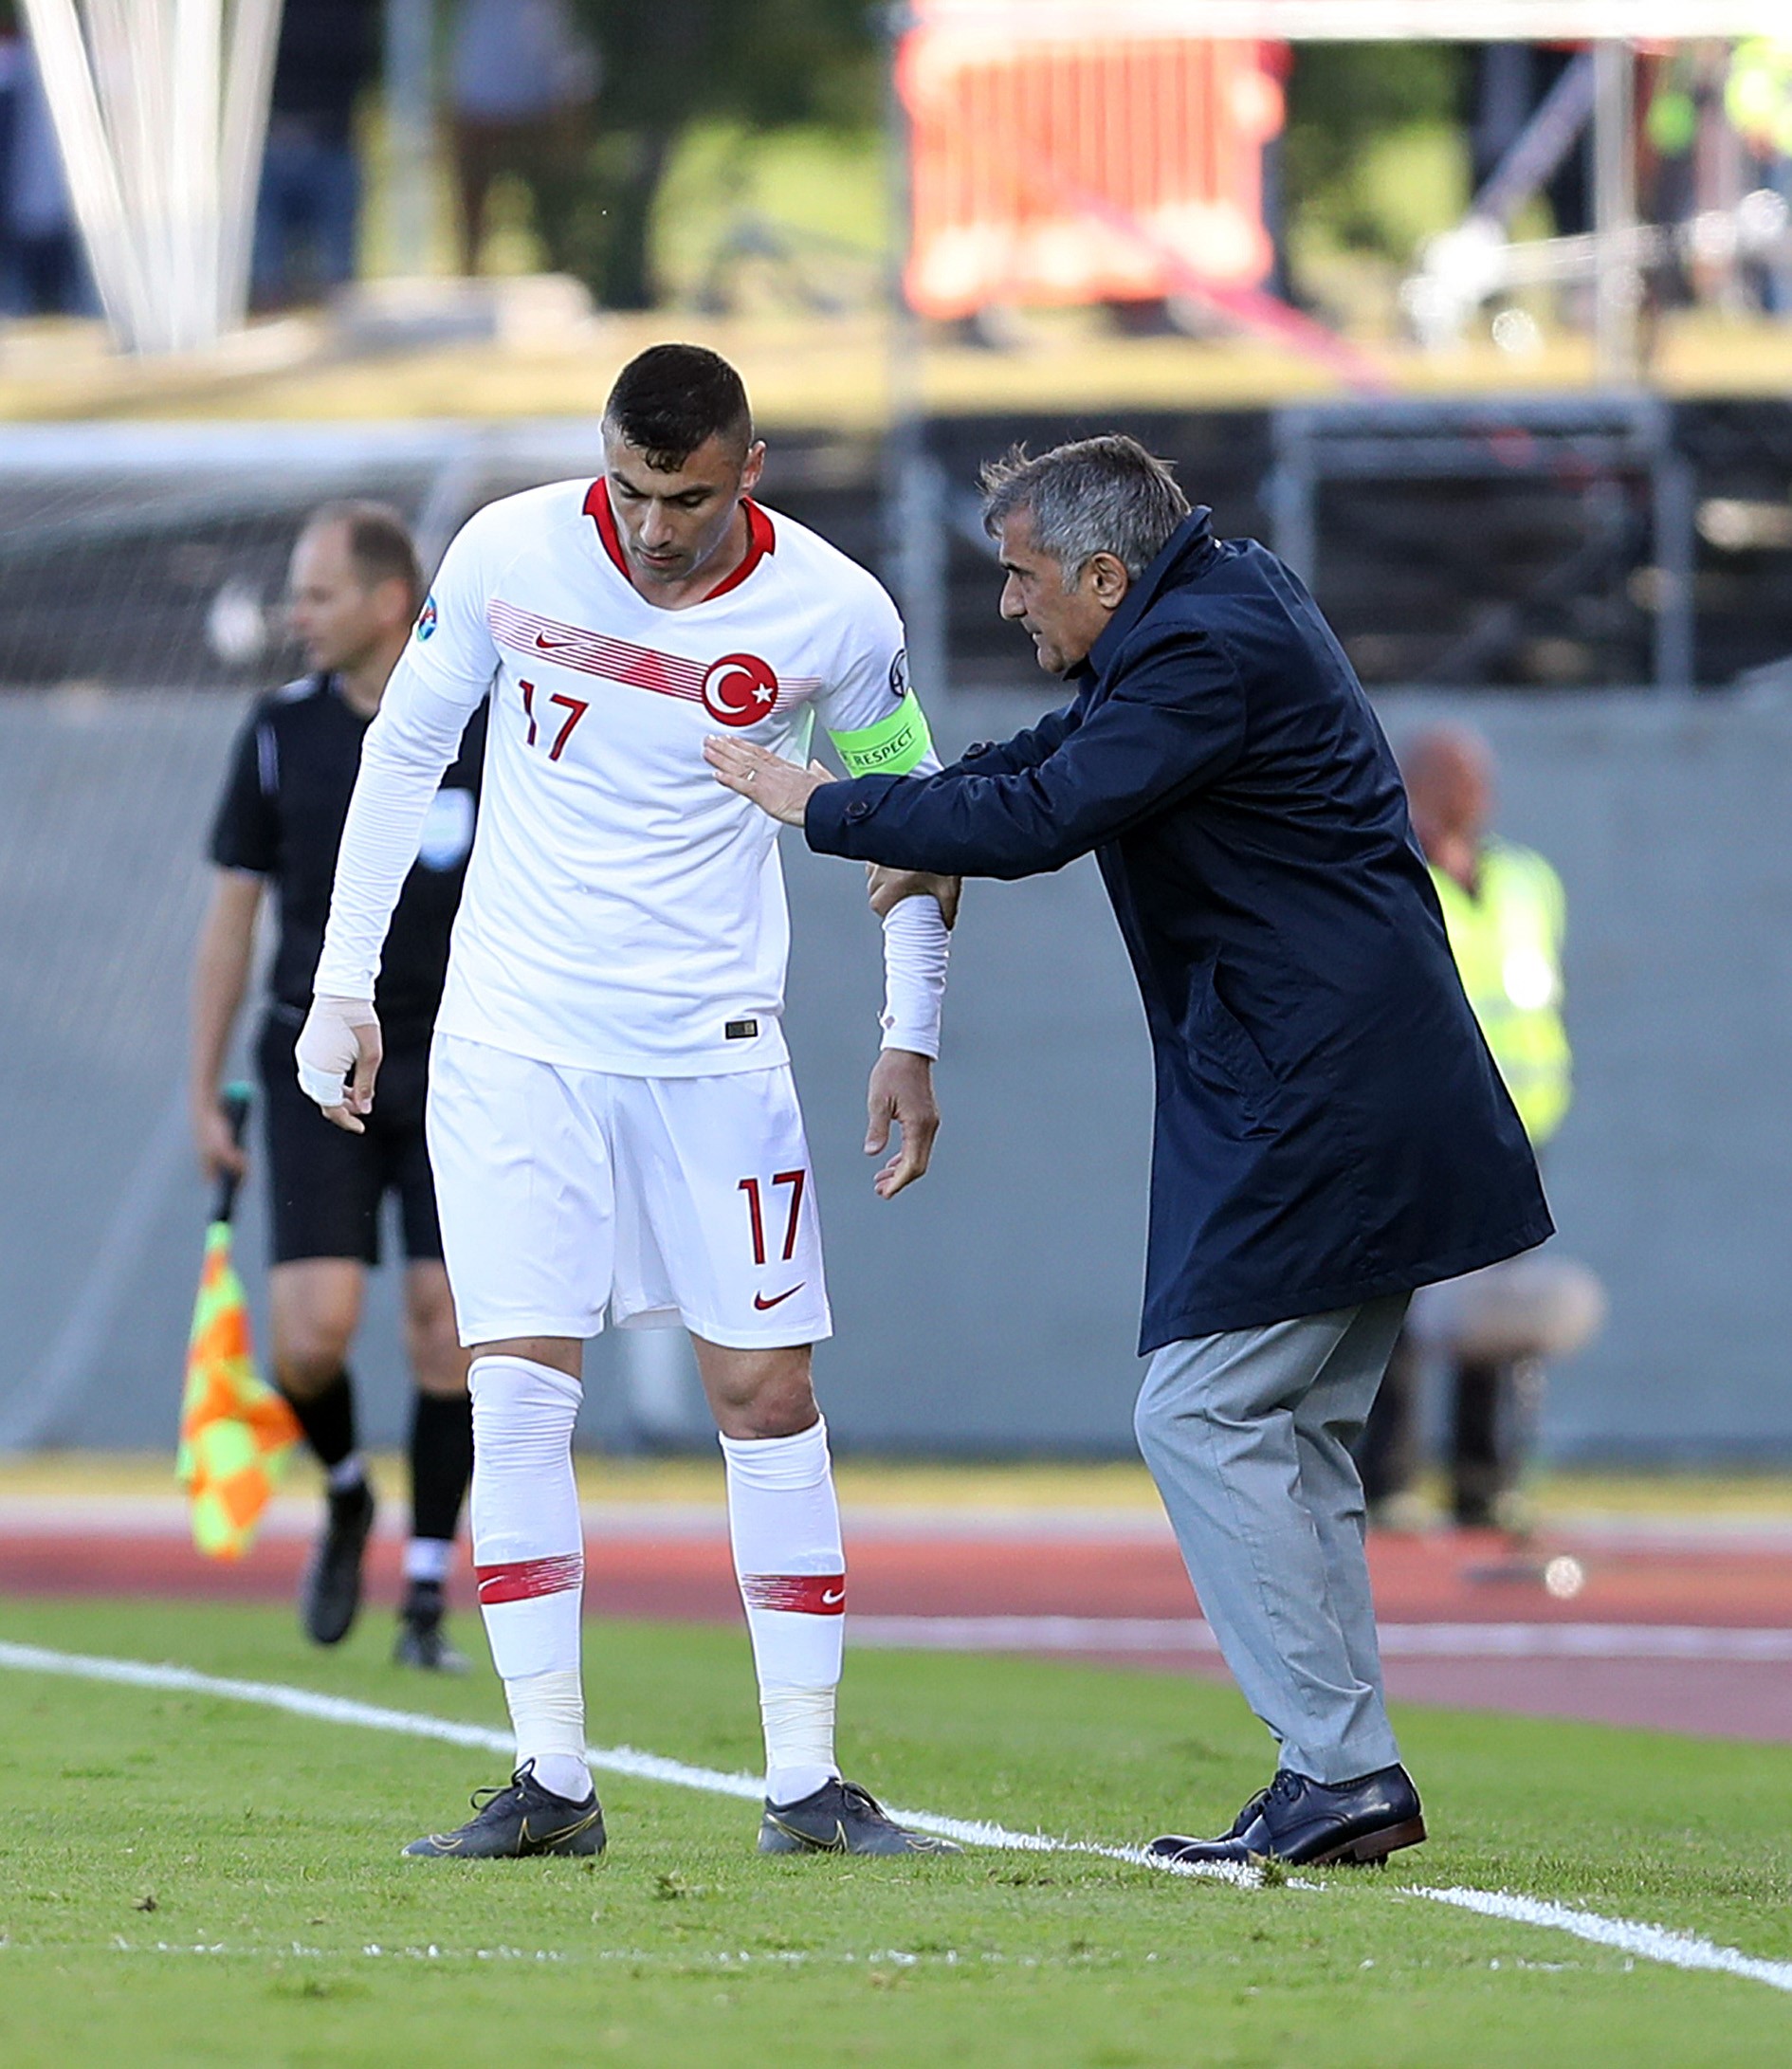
(1578, 441)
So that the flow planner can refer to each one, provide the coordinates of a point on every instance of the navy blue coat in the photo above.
(1330, 1127)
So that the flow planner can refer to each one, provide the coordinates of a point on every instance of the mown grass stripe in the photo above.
(1652, 1943)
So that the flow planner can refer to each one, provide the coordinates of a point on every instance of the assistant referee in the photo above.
(355, 589)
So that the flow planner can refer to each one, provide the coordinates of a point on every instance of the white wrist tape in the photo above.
(326, 1050)
(915, 947)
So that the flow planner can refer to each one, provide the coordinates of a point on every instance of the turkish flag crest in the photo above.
(739, 690)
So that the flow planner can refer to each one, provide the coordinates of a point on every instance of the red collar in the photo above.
(761, 540)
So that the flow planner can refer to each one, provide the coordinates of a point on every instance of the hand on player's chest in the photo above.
(657, 677)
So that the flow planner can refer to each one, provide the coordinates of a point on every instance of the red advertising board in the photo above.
(1081, 166)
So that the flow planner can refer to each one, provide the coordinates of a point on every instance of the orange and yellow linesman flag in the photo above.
(236, 1432)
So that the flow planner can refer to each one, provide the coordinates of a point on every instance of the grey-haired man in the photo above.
(1330, 1130)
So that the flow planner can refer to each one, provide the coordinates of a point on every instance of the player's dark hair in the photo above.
(669, 398)
(379, 544)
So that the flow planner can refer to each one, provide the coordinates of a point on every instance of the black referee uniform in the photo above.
(284, 803)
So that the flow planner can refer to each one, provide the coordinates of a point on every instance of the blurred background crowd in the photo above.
(696, 151)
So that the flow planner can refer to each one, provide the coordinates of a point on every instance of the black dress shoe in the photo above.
(1310, 1823)
(1173, 1847)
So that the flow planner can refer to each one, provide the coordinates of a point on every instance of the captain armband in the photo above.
(894, 746)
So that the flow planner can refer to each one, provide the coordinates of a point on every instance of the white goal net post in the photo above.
(161, 109)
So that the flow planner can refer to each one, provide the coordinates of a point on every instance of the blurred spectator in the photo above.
(1682, 90)
(1504, 907)
(45, 269)
(1511, 83)
(308, 209)
(1758, 100)
(11, 71)
(524, 80)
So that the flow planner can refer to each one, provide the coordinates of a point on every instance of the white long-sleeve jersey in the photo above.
(623, 911)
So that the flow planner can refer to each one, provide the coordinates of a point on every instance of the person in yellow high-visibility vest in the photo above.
(1506, 914)
(1758, 101)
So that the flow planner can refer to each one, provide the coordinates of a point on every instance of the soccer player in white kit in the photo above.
(611, 1118)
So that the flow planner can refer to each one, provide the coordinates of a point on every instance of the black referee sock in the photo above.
(328, 1420)
(441, 1462)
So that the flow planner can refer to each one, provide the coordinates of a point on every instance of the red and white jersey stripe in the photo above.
(592, 654)
(623, 911)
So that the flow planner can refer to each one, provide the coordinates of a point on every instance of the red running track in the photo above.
(683, 1572)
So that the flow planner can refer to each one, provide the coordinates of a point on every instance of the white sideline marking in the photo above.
(301, 1702)
(1646, 1942)
(1649, 1942)
(1399, 1641)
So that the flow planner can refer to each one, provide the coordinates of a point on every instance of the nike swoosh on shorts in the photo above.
(760, 1302)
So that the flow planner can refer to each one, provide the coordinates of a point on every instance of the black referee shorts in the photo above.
(324, 1184)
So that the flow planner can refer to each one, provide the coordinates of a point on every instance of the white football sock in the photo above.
(529, 1558)
(547, 1711)
(785, 1526)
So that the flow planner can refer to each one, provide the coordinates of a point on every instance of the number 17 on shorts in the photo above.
(740, 1145)
(794, 1183)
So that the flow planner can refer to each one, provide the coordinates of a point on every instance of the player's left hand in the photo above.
(778, 786)
(900, 1091)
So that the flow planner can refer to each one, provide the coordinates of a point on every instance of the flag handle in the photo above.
(236, 1102)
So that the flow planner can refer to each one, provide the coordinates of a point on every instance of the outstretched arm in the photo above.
(983, 757)
(1025, 751)
(1173, 720)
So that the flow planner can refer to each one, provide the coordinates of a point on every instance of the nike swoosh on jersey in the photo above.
(760, 1302)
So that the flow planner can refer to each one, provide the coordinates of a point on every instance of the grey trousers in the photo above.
(1248, 1434)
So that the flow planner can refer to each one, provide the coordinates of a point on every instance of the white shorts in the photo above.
(664, 1200)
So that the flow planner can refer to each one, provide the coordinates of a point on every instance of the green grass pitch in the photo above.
(139, 1826)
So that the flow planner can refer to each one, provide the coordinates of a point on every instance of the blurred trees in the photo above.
(770, 63)
(763, 64)
(1343, 100)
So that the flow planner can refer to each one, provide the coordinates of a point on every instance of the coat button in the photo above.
(858, 810)
(977, 748)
